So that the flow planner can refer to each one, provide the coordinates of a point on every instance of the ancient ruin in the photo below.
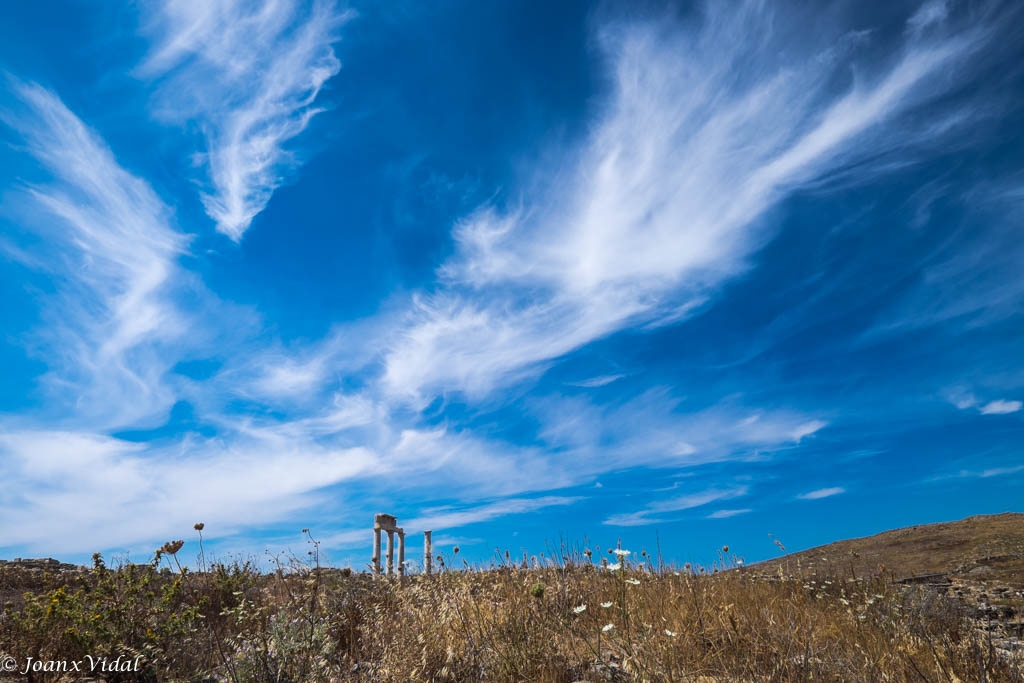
(389, 524)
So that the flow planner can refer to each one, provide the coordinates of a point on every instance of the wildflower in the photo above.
(671, 634)
(172, 547)
(739, 563)
(580, 610)
(725, 548)
(620, 552)
(606, 605)
(455, 550)
(199, 526)
(634, 582)
(607, 627)
(615, 567)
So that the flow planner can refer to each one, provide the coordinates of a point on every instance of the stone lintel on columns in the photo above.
(385, 522)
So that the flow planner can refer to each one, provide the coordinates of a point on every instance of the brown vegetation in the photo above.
(981, 548)
(572, 620)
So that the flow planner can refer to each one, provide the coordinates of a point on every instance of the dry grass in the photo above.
(988, 547)
(571, 622)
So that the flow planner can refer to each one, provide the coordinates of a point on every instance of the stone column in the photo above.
(428, 552)
(391, 552)
(376, 550)
(401, 552)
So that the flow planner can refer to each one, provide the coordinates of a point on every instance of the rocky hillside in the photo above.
(985, 549)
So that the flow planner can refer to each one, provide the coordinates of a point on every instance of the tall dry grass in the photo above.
(575, 619)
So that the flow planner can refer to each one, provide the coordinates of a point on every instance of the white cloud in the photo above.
(964, 400)
(109, 244)
(703, 134)
(725, 514)
(666, 200)
(1000, 471)
(961, 398)
(677, 504)
(980, 474)
(101, 492)
(929, 14)
(822, 493)
(455, 518)
(651, 430)
(807, 429)
(1000, 407)
(248, 73)
(595, 382)
(972, 281)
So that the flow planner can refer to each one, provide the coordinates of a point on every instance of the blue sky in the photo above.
(681, 275)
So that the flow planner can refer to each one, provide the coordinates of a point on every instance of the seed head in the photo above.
(171, 547)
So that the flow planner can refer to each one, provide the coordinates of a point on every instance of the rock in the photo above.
(42, 564)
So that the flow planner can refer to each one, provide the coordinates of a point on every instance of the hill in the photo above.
(985, 549)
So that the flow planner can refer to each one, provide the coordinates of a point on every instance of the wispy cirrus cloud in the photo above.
(114, 331)
(818, 494)
(727, 513)
(455, 518)
(123, 314)
(654, 430)
(671, 192)
(667, 198)
(109, 244)
(653, 512)
(595, 382)
(1000, 407)
(103, 492)
(248, 74)
(994, 472)
(963, 399)
(986, 473)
